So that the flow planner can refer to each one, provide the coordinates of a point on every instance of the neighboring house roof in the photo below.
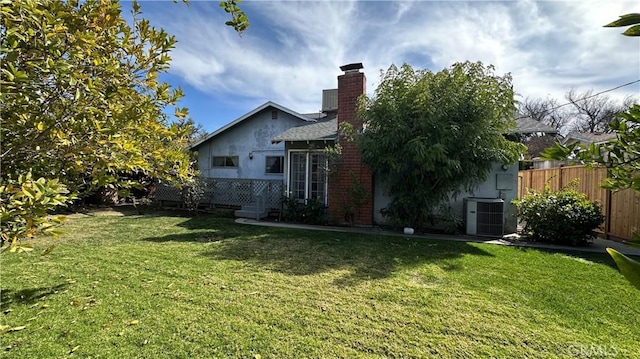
(529, 125)
(321, 131)
(248, 115)
(589, 137)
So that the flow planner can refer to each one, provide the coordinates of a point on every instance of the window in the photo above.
(274, 114)
(224, 161)
(275, 164)
(308, 176)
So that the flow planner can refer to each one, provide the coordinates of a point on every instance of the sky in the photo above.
(293, 49)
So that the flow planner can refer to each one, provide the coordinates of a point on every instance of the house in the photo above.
(583, 138)
(588, 138)
(537, 136)
(273, 143)
(243, 166)
(243, 148)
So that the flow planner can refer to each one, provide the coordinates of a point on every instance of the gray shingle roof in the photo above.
(529, 125)
(320, 131)
(587, 137)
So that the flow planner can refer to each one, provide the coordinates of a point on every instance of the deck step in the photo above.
(243, 213)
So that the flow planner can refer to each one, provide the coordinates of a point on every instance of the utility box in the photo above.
(484, 216)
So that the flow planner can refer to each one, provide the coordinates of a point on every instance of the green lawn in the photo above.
(177, 287)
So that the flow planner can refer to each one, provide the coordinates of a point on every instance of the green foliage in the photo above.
(310, 211)
(81, 100)
(430, 135)
(632, 20)
(451, 221)
(628, 267)
(525, 165)
(24, 205)
(356, 197)
(561, 217)
(193, 191)
(626, 157)
(239, 20)
(621, 156)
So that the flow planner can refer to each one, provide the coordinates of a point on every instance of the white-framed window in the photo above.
(225, 161)
(274, 164)
(308, 175)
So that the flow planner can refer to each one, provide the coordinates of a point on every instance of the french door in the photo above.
(308, 175)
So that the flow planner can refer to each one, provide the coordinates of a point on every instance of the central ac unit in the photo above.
(484, 216)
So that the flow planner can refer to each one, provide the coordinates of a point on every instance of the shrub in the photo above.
(193, 191)
(310, 211)
(562, 217)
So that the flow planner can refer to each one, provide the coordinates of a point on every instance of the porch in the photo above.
(255, 198)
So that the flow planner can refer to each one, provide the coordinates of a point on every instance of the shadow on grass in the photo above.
(363, 257)
(28, 296)
(298, 252)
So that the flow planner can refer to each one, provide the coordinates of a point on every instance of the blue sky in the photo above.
(293, 49)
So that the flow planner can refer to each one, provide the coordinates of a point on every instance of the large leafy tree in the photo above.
(430, 135)
(81, 103)
(81, 100)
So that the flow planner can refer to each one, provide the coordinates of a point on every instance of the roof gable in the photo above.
(249, 115)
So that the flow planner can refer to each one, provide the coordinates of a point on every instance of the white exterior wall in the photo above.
(487, 189)
(253, 135)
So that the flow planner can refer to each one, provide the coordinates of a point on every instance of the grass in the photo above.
(163, 286)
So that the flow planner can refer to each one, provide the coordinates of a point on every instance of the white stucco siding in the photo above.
(251, 136)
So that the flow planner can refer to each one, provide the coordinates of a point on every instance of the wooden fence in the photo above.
(621, 209)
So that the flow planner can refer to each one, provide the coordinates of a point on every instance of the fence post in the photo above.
(560, 185)
(607, 210)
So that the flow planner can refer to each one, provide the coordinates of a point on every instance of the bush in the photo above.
(193, 191)
(310, 211)
(562, 217)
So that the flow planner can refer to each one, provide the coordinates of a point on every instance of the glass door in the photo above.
(308, 176)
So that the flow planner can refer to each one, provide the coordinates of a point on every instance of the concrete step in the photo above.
(242, 213)
(250, 207)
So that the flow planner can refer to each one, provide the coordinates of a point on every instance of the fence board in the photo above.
(623, 209)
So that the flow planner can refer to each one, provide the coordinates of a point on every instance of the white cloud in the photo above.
(293, 49)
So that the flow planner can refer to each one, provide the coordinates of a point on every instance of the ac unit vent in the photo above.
(484, 216)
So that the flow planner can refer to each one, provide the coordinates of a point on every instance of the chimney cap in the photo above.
(352, 67)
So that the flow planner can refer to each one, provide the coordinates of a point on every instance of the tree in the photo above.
(594, 113)
(196, 131)
(81, 102)
(430, 135)
(547, 111)
(629, 267)
(621, 157)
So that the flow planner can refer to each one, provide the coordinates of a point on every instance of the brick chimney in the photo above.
(351, 85)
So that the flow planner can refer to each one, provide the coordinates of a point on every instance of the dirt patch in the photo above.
(117, 211)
